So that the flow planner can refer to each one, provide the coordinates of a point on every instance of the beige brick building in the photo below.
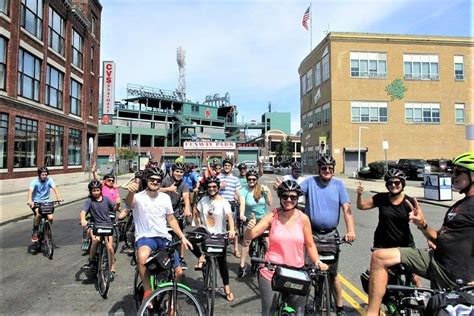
(347, 84)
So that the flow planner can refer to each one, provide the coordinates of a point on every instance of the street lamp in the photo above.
(358, 149)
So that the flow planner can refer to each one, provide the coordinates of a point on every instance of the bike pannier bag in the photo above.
(291, 281)
(214, 244)
(328, 250)
(46, 208)
(103, 229)
(159, 262)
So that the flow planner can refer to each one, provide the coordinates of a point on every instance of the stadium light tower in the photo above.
(181, 60)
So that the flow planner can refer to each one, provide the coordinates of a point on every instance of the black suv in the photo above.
(414, 168)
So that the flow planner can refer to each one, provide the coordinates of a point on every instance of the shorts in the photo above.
(421, 262)
(155, 243)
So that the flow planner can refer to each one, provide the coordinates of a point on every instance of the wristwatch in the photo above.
(424, 227)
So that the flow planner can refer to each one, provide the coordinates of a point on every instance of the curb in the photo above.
(21, 217)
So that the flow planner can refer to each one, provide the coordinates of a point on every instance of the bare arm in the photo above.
(268, 196)
(56, 192)
(242, 207)
(363, 204)
(349, 219)
(130, 199)
(230, 221)
(187, 204)
(175, 227)
(263, 225)
(30, 197)
(94, 173)
(417, 217)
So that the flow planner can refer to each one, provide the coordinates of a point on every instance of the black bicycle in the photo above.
(257, 249)
(45, 229)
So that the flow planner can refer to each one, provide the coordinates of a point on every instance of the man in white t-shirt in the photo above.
(295, 176)
(152, 210)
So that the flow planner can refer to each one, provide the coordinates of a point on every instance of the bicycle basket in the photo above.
(328, 250)
(214, 244)
(46, 208)
(291, 281)
(158, 262)
(103, 229)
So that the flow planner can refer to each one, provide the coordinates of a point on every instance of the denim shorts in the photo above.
(155, 243)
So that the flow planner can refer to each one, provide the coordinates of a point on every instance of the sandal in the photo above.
(237, 254)
(198, 266)
(229, 296)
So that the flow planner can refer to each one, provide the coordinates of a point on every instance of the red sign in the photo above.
(108, 98)
(106, 119)
(207, 113)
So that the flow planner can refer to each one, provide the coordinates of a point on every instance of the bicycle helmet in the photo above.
(213, 179)
(42, 169)
(178, 166)
(108, 176)
(138, 174)
(326, 160)
(242, 166)
(296, 165)
(289, 185)
(252, 173)
(154, 171)
(228, 160)
(465, 160)
(395, 173)
(94, 184)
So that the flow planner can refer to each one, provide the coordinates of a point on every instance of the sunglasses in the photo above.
(212, 186)
(251, 179)
(179, 171)
(287, 196)
(326, 168)
(154, 180)
(396, 183)
(110, 180)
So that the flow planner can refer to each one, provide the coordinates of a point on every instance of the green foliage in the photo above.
(396, 90)
(126, 154)
(284, 151)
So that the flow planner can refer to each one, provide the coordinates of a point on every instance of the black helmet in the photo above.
(252, 173)
(178, 165)
(154, 171)
(42, 169)
(326, 160)
(395, 173)
(289, 185)
(108, 176)
(213, 179)
(242, 166)
(296, 165)
(228, 160)
(138, 174)
(95, 184)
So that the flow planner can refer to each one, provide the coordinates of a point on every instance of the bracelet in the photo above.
(424, 227)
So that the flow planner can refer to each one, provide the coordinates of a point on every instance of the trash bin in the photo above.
(437, 187)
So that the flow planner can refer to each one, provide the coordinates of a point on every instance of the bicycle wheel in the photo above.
(103, 280)
(253, 252)
(322, 299)
(130, 233)
(115, 239)
(210, 286)
(137, 290)
(161, 303)
(48, 247)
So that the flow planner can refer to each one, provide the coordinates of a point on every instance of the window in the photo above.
(421, 67)
(3, 140)
(74, 148)
(303, 121)
(325, 62)
(422, 113)
(54, 87)
(92, 58)
(56, 32)
(3, 62)
(368, 65)
(4, 6)
(317, 74)
(195, 108)
(32, 16)
(93, 24)
(326, 113)
(75, 98)
(375, 112)
(458, 67)
(77, 43)
(310, 119)
(26, 142)
(317, 116)
(53, 152)
(303, 84)
(459, 108)
(309, 80)
(29, 74)
(91, 102)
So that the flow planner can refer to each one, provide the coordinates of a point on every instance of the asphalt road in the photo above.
(33, 284)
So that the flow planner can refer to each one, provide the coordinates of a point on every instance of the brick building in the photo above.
(349, 87)
(49, 87)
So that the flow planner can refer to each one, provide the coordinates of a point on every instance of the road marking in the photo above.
(353, 303)
(355, 290)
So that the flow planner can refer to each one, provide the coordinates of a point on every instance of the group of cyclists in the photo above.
(309, 210)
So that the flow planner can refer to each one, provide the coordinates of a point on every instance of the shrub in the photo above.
(377, 169)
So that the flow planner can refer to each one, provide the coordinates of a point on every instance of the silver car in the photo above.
(268, 167)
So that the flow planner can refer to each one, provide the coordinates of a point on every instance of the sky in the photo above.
(251, 48)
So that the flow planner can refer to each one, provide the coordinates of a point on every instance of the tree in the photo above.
(127, 154)
(283, 151)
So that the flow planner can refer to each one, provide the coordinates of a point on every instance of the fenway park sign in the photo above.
(209, 145)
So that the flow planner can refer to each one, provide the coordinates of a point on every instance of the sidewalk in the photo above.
(14, 205)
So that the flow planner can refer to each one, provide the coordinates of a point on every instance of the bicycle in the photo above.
(45, 229)
(287, 280)
(115, 232)
(324, 300)
(170, 297)
(258, 248)
(101, 268)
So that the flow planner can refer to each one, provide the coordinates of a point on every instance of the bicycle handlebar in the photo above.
(335, 240)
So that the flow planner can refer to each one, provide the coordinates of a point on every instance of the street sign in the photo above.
(111, 158)
(385, 144)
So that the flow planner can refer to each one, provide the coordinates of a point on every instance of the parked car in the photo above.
(414, 168)
(268, 167)
(440, 165)
(250, 163)
(376, 169)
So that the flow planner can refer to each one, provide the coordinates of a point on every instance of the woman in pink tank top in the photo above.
(290, 234)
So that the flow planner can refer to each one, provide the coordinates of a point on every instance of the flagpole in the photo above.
(310, 27)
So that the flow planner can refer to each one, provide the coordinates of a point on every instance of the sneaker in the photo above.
(34, 237)
(183, 264)
(340, 312)
(242, 272)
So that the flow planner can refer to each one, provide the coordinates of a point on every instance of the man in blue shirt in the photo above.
(39, 192)
(325, 196)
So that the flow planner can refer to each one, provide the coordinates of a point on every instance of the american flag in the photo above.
(306, 18)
